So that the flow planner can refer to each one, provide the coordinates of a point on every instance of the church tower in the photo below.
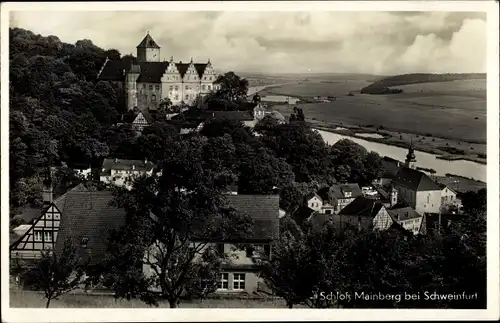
(411, 160)
(148, 50)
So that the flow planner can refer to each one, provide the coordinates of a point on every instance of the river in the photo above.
(458, 167)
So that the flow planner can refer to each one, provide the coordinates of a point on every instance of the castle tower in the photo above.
(410, 157)
(148, 50)
(131, 86)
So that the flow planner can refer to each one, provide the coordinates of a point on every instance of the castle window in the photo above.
(209, 87)
(153, 98)
(150, 87)
(177, 96)
(187, 96)
(177, 88)
(203, 87)
(210, 78)
(157, 88)
(187, 87)
(171, 88)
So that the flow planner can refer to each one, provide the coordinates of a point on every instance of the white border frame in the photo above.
(210, 315)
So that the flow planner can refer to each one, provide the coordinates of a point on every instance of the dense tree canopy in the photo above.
(58, 110)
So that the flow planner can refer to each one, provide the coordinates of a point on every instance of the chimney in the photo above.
(133, 167)
(145, 161)
(47, 189)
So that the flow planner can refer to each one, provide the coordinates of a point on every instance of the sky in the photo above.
(381, 43)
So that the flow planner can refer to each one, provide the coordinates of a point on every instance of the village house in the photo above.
(449, 200)
(370, 213)
(86, 218)
(418, 190)
(330, 200)
(41, 229)
(139, 119)
(415, 187)
(122, 172)
(144, 81)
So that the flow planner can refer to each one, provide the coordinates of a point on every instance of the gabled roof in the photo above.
(127, 164)
(59, 203)
(339, 190)
(415, 180)
(264, 211)
(362, 206)
(403, 213)
(148, 42)
(147, 115)
(323, 193)
(205, 115)
(311, 195)
(89, 215)
(200, 68)
(29, 214)
(302, 214)
(149, 72)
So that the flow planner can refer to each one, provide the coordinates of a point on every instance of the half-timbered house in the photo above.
(41, 232)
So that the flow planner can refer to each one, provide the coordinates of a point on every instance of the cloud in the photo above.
(280, 42)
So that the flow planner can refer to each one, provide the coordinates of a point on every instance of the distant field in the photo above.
(28, 299)
(462, 85)
(311, 89)
(445, 109)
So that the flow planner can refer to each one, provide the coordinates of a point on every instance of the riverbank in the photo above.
(428, 144)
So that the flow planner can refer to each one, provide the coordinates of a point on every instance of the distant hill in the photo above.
(383, 86)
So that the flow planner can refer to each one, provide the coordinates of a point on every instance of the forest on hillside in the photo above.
(59, 112)
(383, 86)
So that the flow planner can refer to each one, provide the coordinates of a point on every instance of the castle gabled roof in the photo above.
(148, 42)
(150, 72)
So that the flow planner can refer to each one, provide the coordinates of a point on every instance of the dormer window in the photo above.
(348, 194)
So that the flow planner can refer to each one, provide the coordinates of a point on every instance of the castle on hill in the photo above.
(145, 81)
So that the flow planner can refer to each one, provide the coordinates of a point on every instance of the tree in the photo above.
(263, 172)
(171, 219)
(232, 88)
(165, 106)
(58, 274)
(290, 273)
(303, 148)
(266, 123)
